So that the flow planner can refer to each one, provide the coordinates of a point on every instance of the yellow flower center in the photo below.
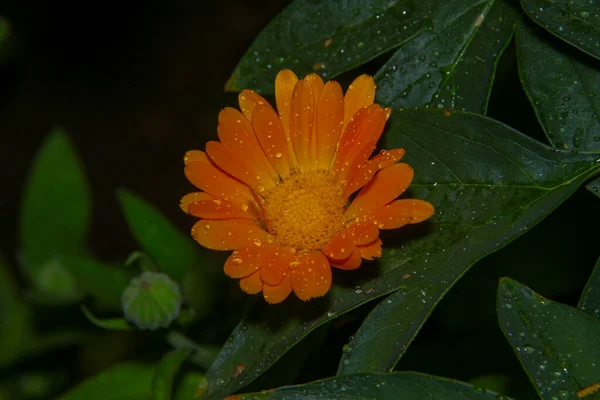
(305, 210)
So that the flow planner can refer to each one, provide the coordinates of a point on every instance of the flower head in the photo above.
(279, 187)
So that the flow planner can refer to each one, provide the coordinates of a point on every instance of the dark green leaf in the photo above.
(162, 384)
(451, 64)
(576, 22)
(556, 344)
(106, 283)
(562, 85)
(121, 382)
(594, 186)
(175, 253)
(55, 217)
(590, 298)
(411, 385)
(329, 39)
(489, 184)
(118, 324)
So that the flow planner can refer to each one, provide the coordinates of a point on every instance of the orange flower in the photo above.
(278, 187)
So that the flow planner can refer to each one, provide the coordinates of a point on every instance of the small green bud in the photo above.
(151, 301)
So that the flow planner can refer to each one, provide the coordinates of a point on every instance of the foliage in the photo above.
(435, 63)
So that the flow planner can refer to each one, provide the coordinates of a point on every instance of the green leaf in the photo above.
(175, 253)
(172, 251)
(590, 298)
(594, 186)
(191, 386)
(119, 324)
(7, 46)
(561, 84)
(123, 381)
(452, 63)
(106, 283)
(488, 183)
(15, 329)
(556, 344)
(379, 386)
(328, 39)
(162, 384)
(575, 22)
(55, 217)
(202, 356)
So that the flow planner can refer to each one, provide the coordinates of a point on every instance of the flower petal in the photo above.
(388, 184)
(302, 121)
(371, 250)
(304, 278)
(228, 163)
(228, 234)
(193, 197)
(203, 205)
(207, 177)
(365, 142)
(347, 140)
(360, 93)
(252, 283)
(269, 132)
(349, 263)
(284, 87)
(323, 276)
(276, 265)
(248, 101)
(340, 246)
(244, 261)
(401, 212)
(194, 156)
(277, 294)
(366, 171)
(330, 118)
(236, 133)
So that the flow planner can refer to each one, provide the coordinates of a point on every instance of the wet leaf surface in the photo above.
(576, 22)
(489, 184)
(379, 386)
(556, 344)
(590, 298)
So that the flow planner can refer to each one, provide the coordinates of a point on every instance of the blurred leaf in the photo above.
(162, 384)
(191, 386)
(489, 184)
(106, 283)
(556, 344)
(326, 38)
(450, 64)
(6, 40)
(145, 262)
(119, 324)
(121, 382)
(55, 217)
(594, 186)
(576, 22)
(202, 356)
(15, 329)
(590, 298)
(176, 254)
(562, 85)
(379, 386)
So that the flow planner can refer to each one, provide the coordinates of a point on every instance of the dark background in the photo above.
(136, 87)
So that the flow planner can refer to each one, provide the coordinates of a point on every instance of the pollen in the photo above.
(306, 210)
